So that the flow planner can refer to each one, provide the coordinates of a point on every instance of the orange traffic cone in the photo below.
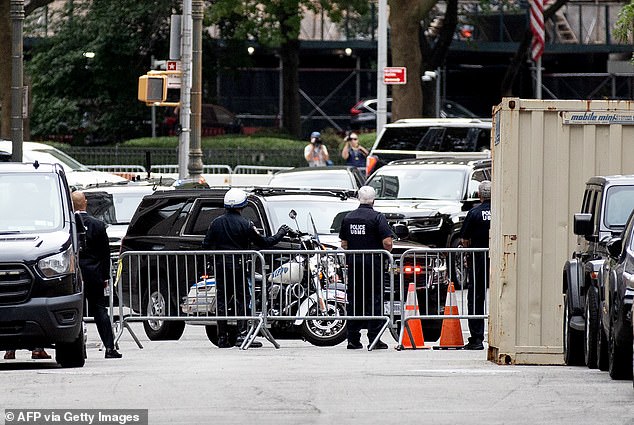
(414, 325)
(451, 332)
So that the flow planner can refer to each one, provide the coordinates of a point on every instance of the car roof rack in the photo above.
(342, 194)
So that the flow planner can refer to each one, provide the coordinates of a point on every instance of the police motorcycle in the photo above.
(302, 285)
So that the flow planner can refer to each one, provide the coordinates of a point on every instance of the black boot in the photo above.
(223, 335)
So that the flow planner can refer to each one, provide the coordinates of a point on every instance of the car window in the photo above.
(251, 213)
(418, 183)
(162, 217)
(30, 202)
(436, 138)
(205, 212)
(328, 179)
(321, 212)
(619, 205)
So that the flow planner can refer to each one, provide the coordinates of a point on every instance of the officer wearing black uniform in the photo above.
(365, 228)
(231, 231)
(475, 234)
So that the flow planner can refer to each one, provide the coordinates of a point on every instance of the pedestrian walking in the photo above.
(94, 262)
(365, 228)
(475, 234)
(316, 153)
(231, 231)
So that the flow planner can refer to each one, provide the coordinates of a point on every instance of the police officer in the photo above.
(475, 234)
(365, 228)
(231, 231)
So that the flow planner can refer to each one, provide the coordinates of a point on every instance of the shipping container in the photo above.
(543, 153)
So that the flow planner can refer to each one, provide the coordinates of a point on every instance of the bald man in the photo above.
(94, 262)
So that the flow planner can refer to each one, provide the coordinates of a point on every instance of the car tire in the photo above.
(71, 354)
(590, 347)
(619, 356)
(602, 348)
(161, 330)
(572, 338)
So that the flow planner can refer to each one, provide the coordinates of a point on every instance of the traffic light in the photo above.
(152, 88)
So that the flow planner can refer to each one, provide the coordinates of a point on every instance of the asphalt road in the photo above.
(191, 382)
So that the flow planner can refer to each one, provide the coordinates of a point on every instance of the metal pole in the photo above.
(538, 78)
(154, 121)
(438, 92)
(17, 79)
(280, 106)
(381, 113)
(186, 85)
(195, 153)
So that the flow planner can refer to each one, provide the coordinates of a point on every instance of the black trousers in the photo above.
(477, 286)
(365, 294)
(232, 293)
(97, 308)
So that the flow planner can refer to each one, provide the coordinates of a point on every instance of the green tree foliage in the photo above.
(94, 98)
(624, 29)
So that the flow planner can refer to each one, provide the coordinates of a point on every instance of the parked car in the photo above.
(215, 120)
(78, 175)
(335, 177)
(363, 113)
(430, 138)
(115, 205)
(606, 204)
(431, 197)
(41, 291)
(616, 301)
(178, 220)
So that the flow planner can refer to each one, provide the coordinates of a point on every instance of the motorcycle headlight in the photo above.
(58, 264)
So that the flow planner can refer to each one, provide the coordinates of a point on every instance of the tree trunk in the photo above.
(5, 69)
(290, 80)
(405, 17)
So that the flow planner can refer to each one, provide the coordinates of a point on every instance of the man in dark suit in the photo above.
(94, 262)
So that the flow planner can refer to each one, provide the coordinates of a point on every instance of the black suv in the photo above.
(41, 297)
(431, 197)
(606, 205)
(177, 220)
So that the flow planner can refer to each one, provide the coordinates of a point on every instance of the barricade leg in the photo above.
(254, 331)
(378, 337)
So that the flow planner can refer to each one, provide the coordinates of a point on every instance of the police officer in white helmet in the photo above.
(231, 231)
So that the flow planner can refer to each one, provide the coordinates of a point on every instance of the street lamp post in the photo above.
(17, 79)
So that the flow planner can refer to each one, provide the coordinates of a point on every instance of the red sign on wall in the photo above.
(395, 75)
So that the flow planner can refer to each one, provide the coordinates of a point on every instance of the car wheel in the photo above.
(212, 334)
(326, 332)
(161, 330)
(573, 339)
(602, 347)
(619, 357)
(590, 336)
(71, 354)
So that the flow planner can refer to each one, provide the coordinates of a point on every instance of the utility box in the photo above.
(543, 153)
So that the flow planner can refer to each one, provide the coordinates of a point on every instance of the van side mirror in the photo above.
(615, 247)
(583, 224)
(81, 231)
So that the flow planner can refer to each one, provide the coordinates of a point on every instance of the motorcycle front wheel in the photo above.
(326, 332)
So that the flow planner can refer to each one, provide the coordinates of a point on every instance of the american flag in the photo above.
(537, 28)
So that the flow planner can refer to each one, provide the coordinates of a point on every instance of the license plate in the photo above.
(397, 307)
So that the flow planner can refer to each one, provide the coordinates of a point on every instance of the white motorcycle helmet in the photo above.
(235, 198)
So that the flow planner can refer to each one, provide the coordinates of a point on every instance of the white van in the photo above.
(78, 175)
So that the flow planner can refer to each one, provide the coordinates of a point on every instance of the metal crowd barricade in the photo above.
(314, 288)
(431, 270)
(125, 170)
(258, 169)
(167, 287)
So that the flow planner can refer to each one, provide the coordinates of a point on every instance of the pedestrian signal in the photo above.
(152, 88)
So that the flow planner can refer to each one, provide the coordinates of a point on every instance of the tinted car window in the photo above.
(165, 220)
(450, 139)
(207, 212)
